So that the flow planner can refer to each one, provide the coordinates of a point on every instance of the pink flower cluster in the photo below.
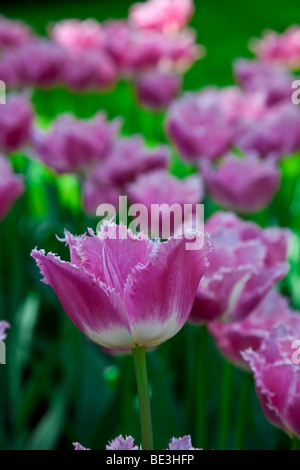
(244, 265)
(127, 443)
(236, 135)
(283, 49)
(152, 47)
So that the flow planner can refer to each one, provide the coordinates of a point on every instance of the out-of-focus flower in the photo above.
(182, 443)
(234, 338)
(93, 70)
(276, 133)
(129, 157)
(164, 190)
(237, 104)
(44, 71)
(78, 446)
(13, 33)
(16, 118)
(277, 376)
(160, 187)
(4, 325)
(137, 51)
(95, 192)
(125, 291)
(73, 145)
(11, 187)
(169, 16)
(157, 90)
(78, 36)
(245, 264)
(281, 49)
(119, 443)
(198, 125)
(245, 184)
(272, 81)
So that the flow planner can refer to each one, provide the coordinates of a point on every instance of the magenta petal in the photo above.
(4, 325)
(119, 443)
(86, 252)
(182, 443)
(92, 306)
(160, 295)
(78, 446)
(117, 241)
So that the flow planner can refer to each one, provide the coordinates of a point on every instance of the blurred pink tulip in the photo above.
(16, 121)
(165, 15)
(245, 264)
(244, 185)
(283, 49)
(74, 145)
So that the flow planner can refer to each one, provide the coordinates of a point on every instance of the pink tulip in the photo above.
(92, 70)
(4, 325)
(138, 51)
(11, 187)
(73, 145)
(165, 15)
(157, 90)
(245, 184)
(78, 36)
(95, 193)
(128, 158)
(182, 443)
(271, 81)
(198, 125)
(238, 104)
(119, 443)
(13, 33)
(283, 49)
(245, 264)
(16, 118)
(276, 367)
(162, 189)
(45, 70)
(276, 133)
(234, 338)
(122, 290)
(159, 187)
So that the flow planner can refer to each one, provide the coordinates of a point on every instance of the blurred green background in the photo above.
(58, 388)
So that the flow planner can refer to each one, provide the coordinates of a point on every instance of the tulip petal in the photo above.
(93, 307)
(159, 296)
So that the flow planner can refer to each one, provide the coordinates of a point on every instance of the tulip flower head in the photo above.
(123, 290)
(245, 264)
(277, 376)
(245, 185)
